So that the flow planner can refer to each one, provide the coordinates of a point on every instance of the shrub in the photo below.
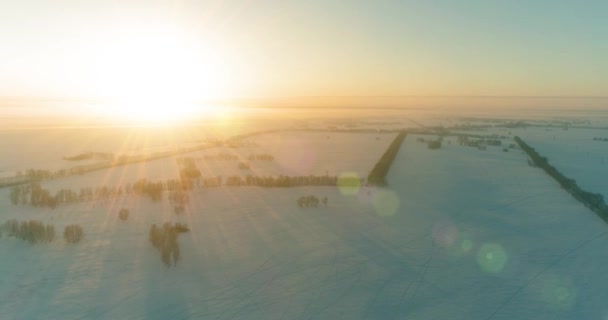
(178, 209)
(123, 214)
(73, 233)
(308, 201)
(434, 144)
(181, 228)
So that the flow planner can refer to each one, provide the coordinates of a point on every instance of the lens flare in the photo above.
(386, 203)
(492, 258)
(349, 183)
(558, 292)
(445, 234)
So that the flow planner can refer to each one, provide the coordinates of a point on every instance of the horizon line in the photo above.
(2, 98)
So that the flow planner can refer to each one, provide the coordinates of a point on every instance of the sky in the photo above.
(227, 49)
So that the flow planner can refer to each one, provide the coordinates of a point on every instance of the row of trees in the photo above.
(152, 189)
(310, 201)
(35, 195)
(593, 201)
(378, 174)
(476, 143)
(34, 231)
(261, 156)
(44, 174)
(41, 174)
(90, 156)
(282, 181)
(227, 157)
(164, 239)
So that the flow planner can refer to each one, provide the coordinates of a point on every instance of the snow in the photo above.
(471, 198)
(574, 153)
(44, 148)
(295, 153)
(460, 234)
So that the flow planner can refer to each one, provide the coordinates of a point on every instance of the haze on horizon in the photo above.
(201, 50)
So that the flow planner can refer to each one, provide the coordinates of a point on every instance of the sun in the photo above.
(156, 75)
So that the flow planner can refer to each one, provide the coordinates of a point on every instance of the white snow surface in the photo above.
(574, 153)
(295, 153)
(459, 234)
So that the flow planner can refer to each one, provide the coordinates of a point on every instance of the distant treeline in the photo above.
(223, 156)
(32, 175)
(378, 174)
(261, 156)
(593, 201)
(35, 195)
(282, 181)
(476, 143)
(90, 155)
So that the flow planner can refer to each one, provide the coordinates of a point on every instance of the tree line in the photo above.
(476, 143)
(261, 157)
(281, 181)
(90, 155)
(378, 174)
(35, 195)
(34, 231)
(593, 201)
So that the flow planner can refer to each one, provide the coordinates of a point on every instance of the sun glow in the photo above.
(151, 111)
(155, 75)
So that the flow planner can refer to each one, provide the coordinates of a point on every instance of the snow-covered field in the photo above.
(574, 153)
(294, 152)
(460, 234)
(499, 239)
(44, 148)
